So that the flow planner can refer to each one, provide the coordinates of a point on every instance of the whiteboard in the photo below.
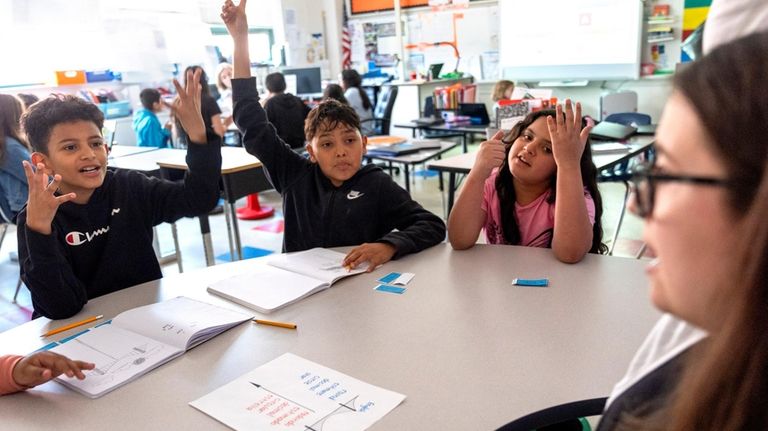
(570, 39)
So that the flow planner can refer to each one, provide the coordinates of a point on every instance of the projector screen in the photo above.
(570, 39)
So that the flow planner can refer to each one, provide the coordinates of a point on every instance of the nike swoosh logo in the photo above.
(115, 211)
(354, 195)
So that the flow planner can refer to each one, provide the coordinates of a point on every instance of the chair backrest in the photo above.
(624, 101)
(384, 107)
(429, 106)
(629, 118)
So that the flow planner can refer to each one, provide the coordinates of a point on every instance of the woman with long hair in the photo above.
(13, 149)
(704, 366)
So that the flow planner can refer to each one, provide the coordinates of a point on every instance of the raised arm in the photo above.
(572, 237)
(237, 24)
(467, 216)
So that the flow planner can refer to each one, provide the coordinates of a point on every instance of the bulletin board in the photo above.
(364, 6)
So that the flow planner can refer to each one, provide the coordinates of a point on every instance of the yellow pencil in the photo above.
(72, 325)
(279, 324)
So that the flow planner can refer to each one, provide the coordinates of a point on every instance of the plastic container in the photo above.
(101, 76)
(120, 108)
(70, 77)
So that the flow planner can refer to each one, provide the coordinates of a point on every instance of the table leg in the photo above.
(451, 190)
(229, 215)
(236, 232)
(205, 230)
(407, 178)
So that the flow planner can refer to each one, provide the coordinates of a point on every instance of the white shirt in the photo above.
(356, 102)
(668, 338)
(728, 20)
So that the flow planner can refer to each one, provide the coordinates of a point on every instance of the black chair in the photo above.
(382, 112)
(558, 417)
(623, 172)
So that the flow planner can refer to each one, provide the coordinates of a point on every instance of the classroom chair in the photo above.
(573, 413)
(622, 172)
(382, 112)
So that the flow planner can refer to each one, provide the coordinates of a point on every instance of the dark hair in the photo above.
(27, 99)
(206, 90)
(275, 82)
(506, 190)
(10, 115)
(43, 116)
(725, 386)
(329, 115)
(149, 96)
(352, 79)
(334, 91)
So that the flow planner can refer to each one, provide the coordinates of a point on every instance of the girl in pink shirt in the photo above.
(18, 373)
(536, 186)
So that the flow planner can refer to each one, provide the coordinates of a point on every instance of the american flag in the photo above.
(346, 43)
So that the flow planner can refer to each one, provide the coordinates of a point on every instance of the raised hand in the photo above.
(375, 254)
(568, 138)
(41, 367)
(186, 106)
(42, 203)
(490, 155)
(235, 19)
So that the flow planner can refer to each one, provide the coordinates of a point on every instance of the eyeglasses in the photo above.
(644, 182)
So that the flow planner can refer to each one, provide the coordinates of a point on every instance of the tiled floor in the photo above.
(424, 190)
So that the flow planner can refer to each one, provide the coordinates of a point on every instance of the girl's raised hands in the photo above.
(42, 202)
(568, 138)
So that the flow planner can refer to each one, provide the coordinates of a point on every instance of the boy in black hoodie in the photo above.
(285, 111)
(328, 200)
(88, 232)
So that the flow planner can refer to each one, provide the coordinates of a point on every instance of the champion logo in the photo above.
(354, 194)
(75, 238)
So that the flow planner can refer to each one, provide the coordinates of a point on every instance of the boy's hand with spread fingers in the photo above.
(42, 203)
(186, 107)
(377, 253)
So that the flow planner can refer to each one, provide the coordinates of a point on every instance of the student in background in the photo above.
(146, 125)
(728, 20)
(13, 150)
(88, 231)
(328, 200)
(536, 186)
(27, 99)
(208, 105)
(704, 366)
(357, 98)
(285, 111)
(503, 90)
(19, 373)
(224, 85)
(334, 91)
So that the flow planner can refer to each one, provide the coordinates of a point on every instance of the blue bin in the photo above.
(117, 109)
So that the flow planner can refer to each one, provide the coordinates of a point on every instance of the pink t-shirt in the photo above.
(536, 220)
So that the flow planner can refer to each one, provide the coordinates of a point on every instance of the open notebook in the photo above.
(143, 338)
(285, 279)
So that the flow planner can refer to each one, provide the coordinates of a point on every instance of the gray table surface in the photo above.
(468, 349)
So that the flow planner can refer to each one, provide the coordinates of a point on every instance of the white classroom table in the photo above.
(469, 350)
(241, 173)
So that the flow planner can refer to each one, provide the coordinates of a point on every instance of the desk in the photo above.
(128, 150)
(468, 349)
(241, 174)
(413, 159)
(465, 131)
(463, 163)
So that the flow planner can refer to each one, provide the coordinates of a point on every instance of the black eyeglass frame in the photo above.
(645, 200)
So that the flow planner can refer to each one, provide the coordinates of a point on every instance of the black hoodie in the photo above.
(287, 113)
(366, 208)
(106, 244)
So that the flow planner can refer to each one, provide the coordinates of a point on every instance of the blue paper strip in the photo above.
(390, 289)
(48, 346)
(72, 337)
(535, 282)
(392, 276)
